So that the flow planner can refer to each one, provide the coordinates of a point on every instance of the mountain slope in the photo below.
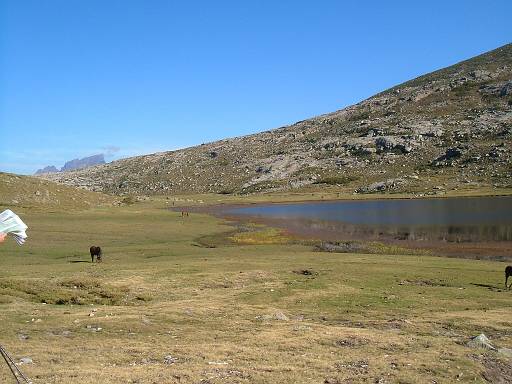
(448, 127)
(30, 192)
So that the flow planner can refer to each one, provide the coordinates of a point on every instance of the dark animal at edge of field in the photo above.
(95, 251)
(508, 272)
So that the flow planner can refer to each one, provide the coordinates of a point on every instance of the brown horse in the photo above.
(95, 251)
(508, 272)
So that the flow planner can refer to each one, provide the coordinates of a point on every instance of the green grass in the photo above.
(218, 309)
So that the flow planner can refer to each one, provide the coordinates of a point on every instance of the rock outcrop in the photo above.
(74, 164)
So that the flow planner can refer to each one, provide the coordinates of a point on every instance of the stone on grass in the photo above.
(26, 360)
(281, 316)
(481, 341)
(170, 359)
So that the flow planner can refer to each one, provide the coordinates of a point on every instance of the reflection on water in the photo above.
(450, 219)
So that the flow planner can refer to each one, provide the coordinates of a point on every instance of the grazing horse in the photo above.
(95, 251)
(508, 272)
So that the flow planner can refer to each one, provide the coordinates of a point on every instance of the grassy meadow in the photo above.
(191, 300)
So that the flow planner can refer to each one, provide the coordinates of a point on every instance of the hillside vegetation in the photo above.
(30, 192)
(441, 131)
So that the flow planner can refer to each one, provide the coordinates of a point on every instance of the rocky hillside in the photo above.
(439, 131)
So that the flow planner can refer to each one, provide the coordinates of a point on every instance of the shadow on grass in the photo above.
(78, 261)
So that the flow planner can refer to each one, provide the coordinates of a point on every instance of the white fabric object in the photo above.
(11, 224)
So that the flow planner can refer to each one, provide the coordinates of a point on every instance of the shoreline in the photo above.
(488, 250)
(316, 197)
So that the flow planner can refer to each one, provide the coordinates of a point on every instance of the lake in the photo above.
(478, 219)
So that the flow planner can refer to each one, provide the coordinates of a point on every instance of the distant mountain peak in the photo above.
(83, 163)
(48, 169)
(74, 164)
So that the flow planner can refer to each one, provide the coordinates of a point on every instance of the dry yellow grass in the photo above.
(237, 313)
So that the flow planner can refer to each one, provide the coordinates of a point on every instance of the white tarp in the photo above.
(11, 223)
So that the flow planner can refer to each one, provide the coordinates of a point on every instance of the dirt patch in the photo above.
(423, 283)
(305, 272)
(497, 371)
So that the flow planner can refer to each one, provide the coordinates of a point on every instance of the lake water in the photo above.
(480, 219)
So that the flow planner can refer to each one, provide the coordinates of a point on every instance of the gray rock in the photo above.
(500, 90)
(430, 131)
(94, 328)
(170, 359)
(281, 316)
(449, 156)
(392, 144)
(375, 187)
(381, 186)
(404, 148)
(374, 132)
(384, 144)
(26, 360)
(481, 341)
(480, 74)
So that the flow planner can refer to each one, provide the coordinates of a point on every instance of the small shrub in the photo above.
(129, 200)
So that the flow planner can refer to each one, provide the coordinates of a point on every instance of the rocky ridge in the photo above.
(74, 164)
(435, 132)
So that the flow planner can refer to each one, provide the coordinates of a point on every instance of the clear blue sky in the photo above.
(79, 78)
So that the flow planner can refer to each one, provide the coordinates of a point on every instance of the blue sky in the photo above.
(79, 78)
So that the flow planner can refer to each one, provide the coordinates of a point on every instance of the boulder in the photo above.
(449, 156)
(281, 316)
(481, 341)
(392, 144)
(380, 186)
(500, 90)
(170, 359)
(385, 144)
(26, 360)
